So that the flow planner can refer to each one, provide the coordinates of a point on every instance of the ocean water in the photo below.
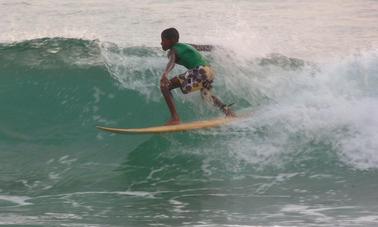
(307, 156)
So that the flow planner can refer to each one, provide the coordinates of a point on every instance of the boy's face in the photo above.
(166, 44)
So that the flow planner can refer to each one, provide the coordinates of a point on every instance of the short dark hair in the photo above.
(170, 33)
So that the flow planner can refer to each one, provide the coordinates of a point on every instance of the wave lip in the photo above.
(50, 53)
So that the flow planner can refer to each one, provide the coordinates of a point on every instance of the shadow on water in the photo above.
(160, 164)
(171, 175)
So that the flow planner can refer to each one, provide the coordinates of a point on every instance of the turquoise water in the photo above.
(306, 157)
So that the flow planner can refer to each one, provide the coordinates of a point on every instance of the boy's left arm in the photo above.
(202, 47)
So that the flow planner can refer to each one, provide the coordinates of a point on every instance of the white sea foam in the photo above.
(18, 200)
(150, 195)
(334, 105)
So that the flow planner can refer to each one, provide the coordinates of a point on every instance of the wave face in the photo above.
(306, 154)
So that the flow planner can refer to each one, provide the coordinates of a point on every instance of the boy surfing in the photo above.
(199, 76)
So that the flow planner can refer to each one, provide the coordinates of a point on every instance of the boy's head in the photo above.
(169, 37)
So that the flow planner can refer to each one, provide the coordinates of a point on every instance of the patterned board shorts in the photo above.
(196, 79)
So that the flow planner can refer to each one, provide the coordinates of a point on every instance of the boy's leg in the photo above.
(208, 96)
(166, 91)
(226, 109)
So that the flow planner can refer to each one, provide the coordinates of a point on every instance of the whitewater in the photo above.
(307, 156)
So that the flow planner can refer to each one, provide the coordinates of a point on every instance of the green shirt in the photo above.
(188, 56)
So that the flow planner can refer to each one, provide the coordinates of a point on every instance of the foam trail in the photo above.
(18, 200)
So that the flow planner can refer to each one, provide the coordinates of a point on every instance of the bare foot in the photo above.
(173, 121)
(229, 113)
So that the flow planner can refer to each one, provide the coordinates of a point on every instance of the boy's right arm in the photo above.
(171, 64)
